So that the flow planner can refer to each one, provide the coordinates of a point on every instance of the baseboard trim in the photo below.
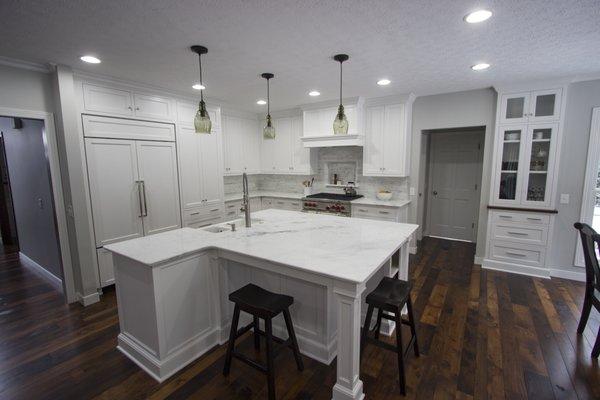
(565, 274)
(478, 260)
(88, 299)
(40, 271)
(515, 268)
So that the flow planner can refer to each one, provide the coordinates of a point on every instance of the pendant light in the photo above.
(202, 122)
(269, 130)
(340, 123)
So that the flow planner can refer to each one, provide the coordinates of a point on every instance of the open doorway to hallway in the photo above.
(27, 214)
(454, 169)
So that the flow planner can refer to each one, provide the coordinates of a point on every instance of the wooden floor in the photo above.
(483, 334)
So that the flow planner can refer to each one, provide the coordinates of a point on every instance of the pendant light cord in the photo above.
(268, 99)
(201, 83)
(340, 82)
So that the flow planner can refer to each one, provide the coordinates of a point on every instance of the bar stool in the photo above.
(391, 295)
(261, 303)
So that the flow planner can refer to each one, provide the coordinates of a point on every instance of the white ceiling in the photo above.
(423, 46)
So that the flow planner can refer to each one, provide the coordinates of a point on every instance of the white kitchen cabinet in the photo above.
(120, 128)
(106, 269)
(530, 107)
(200, 169)
(241, 145)
(285, 154)
(380, 213)
(281, 204)
(104, 100)
(186, 112)
(386, 147)
(317, 123)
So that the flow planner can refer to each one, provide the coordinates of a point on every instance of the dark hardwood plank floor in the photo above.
(483, 335)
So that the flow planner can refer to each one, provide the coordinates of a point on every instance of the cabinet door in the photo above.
(509, 169)
(514, 108)
(157, 166)
(154, 107)
(232, 147)
(538, 165)
(327, 116)
(211, 169)
(115, 194)
(394, 141)
(300, 154)
(267, 155)
(373, 149)
(190, 167)
(312, 123)
(283, 145)
(250, 146)
(352, 117)
(545, 105)
(107, 100)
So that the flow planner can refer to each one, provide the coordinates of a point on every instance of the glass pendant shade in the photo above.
(202, 123)
(269, 129)
(340, 123)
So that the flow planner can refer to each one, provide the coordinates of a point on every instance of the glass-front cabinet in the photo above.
(524, 169)
(531, 107)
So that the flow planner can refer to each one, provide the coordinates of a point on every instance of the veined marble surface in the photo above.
(350, 249)
(265, 193)
(367, 201)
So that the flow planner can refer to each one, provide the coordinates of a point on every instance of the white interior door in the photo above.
(590, 206)
(157, 166)
(454, 181)
(114, 192)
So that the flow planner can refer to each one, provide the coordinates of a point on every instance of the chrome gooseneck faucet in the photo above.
(246, 200)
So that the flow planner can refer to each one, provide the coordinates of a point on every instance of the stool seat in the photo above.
(256, 300)
(389, 293)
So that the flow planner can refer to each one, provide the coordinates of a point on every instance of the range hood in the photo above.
(317, 124)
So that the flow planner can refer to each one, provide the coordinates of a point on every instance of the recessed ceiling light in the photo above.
(261, 102)
(480, 66)
(383, 82)
(198, 86)
(90, 59)
(478, 16)
(314, 93)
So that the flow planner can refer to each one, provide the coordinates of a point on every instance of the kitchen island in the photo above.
(172, 287)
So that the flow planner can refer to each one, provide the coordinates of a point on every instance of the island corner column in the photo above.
(348, 385)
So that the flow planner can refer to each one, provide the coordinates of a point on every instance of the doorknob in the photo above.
(435, 192)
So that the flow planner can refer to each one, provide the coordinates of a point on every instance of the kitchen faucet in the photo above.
(246, 200)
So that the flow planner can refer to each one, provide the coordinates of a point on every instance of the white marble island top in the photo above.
(349, 249)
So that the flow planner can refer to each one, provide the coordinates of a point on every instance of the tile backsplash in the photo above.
(327, 156)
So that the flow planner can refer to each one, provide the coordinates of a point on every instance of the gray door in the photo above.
(455, 170)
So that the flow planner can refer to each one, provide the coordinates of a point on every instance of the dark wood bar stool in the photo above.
(590, 240)
(261, 303)
(391, 295)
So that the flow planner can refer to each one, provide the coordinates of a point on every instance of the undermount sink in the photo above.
(216, 229)
(239, 224)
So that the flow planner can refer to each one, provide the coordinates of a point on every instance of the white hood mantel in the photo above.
(317, 123)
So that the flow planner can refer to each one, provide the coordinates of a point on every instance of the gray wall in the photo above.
(451, 110)
(581, 98)
(32, 194)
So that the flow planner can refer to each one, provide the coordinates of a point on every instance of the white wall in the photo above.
(582, 97)
(24, 89)
(451, 110)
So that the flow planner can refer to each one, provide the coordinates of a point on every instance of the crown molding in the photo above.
(28, 65)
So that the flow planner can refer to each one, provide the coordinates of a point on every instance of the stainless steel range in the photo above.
(329, 203)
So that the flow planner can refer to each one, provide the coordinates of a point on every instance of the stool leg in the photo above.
(400, 350)
(365, 329)
(270, 369)
(413, 329)
(256, 335)
(292, 335)
(232, 337)
(378, 326)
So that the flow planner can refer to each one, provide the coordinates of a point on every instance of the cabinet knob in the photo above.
(137, 109)
(130, 108)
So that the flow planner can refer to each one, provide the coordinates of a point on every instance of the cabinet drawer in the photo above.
(202, 213)
(203, 223)
(518, 254)
(282, 204)
(378, 213)
(521, 217)
(233, 205)
(229, 215)
(512, 232)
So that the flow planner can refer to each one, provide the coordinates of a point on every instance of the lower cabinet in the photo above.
(380, 213)
(281, 203)
(518, 241)
(105, 267)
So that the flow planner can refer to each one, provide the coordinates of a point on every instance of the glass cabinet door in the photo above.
(515, 108)
(539, 159)
(545, 105)
(511, 145)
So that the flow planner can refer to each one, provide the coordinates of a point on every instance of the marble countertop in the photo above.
(349, 249)
(296, 196)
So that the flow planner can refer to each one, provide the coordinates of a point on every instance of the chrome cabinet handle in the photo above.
(139, 187)
(510, 253)
(505, 216)
(384, 212)
(517, 233)
(195, 213)
(214, 209)
(145, 204)
(534, 219)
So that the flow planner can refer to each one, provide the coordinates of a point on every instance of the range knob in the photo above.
(342, 208)
(306, 204)
(327, 208)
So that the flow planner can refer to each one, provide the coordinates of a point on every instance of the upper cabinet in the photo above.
(318, 120)
(528, 137)
(285, 154)
(106, 100)
(386, 148)
(241, 145)
(530, 107)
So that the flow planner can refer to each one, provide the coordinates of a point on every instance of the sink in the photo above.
(216, 229)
